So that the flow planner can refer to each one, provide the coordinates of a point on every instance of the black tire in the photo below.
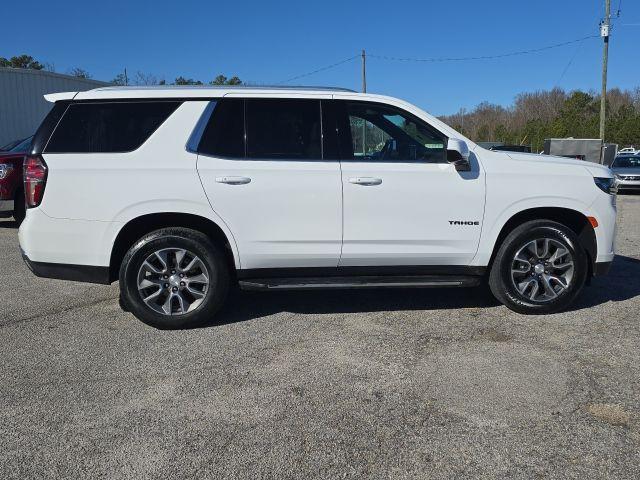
(174, 238)
(19, 207)
(503, 286)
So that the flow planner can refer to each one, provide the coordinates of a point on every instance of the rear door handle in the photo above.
(233, 180)
(365, 181)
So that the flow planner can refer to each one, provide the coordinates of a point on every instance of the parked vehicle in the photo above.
(626, 168)
(11, 189)
(628, 151)
(180, 193)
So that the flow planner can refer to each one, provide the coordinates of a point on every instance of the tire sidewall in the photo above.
(197, 244)
(555, 232)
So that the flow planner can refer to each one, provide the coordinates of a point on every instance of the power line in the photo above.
(573, 57)
(321, 69)
(440, 59)
(480, 57)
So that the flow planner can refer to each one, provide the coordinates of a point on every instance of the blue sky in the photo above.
(268, 42)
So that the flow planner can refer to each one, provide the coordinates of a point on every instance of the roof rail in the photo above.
(228, 87)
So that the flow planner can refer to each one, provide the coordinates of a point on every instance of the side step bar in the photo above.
(386, 281)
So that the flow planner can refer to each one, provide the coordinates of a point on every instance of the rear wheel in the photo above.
(539, 268)
(174, 278)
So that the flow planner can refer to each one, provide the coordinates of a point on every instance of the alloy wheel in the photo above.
(542, 270)
(173, 281)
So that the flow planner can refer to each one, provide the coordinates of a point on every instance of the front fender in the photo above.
(494, 224)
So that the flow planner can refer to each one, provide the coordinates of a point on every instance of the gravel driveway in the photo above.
(364, 384)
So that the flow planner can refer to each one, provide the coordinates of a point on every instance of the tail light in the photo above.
(35, 179)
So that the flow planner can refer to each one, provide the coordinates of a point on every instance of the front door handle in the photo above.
(233, 180)
(365, 181)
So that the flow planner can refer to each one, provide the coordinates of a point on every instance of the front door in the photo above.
(262, 167)
(404, 204)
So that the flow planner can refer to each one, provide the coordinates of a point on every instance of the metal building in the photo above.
(22, 106)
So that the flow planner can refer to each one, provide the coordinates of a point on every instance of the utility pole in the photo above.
(126, 79)
(604, 33)
(364, 71)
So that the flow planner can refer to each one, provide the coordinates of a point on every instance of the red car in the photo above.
(11, 188)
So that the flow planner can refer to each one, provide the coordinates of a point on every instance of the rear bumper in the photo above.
(63, 271)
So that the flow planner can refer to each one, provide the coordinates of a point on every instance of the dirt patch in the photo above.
(612, 414)
(494, 335)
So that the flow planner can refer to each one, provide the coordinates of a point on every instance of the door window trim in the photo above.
(201, 124)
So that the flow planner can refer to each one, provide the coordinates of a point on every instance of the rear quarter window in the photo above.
(108, 127)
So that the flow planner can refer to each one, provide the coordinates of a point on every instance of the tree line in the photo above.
(553, 113)
(138, 78)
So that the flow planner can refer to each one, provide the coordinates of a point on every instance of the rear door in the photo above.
(262, 166)
(404, 204)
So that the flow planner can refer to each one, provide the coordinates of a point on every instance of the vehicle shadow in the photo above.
(622, 283)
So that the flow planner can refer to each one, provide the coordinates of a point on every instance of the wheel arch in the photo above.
(575, 220)
(140, 226)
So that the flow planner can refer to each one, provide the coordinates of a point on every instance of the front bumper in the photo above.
(628, 185)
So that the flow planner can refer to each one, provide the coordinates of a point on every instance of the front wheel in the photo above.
(540, 268)
(174, 278)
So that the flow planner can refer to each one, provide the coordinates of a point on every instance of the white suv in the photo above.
(182, 192)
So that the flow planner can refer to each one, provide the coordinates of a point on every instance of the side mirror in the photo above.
(458, 154)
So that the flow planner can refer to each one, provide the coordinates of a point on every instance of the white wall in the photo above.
(22, 106)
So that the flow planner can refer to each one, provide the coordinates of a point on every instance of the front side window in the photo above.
(387, 134)
(108, 127)
(283, 129)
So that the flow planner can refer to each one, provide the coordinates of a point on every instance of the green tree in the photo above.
(186, 81)
(222, 80)
(578, 117)
(21, 61)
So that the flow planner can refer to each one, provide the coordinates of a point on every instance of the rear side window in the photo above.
(108, 127)
(224, 134)
(283, 129)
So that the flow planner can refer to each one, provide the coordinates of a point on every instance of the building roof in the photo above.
(86, 82)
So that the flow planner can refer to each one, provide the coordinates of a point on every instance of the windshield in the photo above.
(626, 162)
(23, 146)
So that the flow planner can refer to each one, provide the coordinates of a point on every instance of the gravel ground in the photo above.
(365, 384)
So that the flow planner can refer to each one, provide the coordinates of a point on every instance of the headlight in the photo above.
(618, 176)
(607, 185)
(5, 169)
